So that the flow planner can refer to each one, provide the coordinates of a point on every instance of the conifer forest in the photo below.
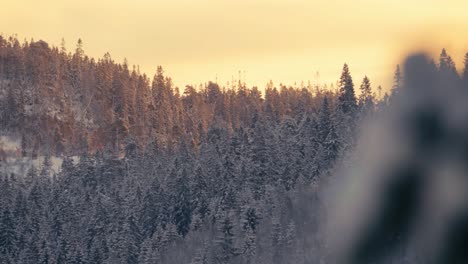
(101, 163)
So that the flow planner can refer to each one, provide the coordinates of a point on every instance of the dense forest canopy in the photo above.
(66, 99)
(208, 175)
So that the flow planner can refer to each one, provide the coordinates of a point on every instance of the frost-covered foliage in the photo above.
(237, 198)
(65, 103)
(213, 175)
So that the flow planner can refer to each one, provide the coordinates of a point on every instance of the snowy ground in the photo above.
(14, 163)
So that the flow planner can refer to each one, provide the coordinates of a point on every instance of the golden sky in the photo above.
(287, 41)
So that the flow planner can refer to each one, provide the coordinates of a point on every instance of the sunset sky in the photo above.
(286, 41)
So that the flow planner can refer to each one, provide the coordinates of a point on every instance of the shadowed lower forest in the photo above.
(152, 174)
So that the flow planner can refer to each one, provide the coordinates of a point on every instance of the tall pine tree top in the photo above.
(397, 81)
(366, 100)
(347, 98)
(446, 63)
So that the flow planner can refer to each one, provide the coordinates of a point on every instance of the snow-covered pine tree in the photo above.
(347, 99)
(465, 70)
(397, 82)
(446, 63)
(225, 247)
(366, 99)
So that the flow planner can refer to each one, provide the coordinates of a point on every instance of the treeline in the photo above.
(72, 103)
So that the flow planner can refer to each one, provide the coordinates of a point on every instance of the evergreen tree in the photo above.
(347, 98)
(446, 63)
(329, 147)
(332, 148)
(346, 110)
(161, 94)
(309, 134)
(8, 235)
(259, 163)
(397, 82)
(46, 168)
(200, 195)
(277, 241)
(153, 203)
(183, 204)
(366, 99)
(149, 252)
(76, 69)
(251, 219)
(465, 70)
(225, 240)
(324, 120)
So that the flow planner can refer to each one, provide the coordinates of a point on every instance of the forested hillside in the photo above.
(208, 175)
(74, 104)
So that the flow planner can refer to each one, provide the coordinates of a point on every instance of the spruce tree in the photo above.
(183, 206)
(8, 235)
(465, 70)
(366, 99)
(277, 241)
(446, 63)
(324, 120)
(346, 110)
(397, 82)
(226, 249)
(200, 192)
(347, 98)
(332, 149)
